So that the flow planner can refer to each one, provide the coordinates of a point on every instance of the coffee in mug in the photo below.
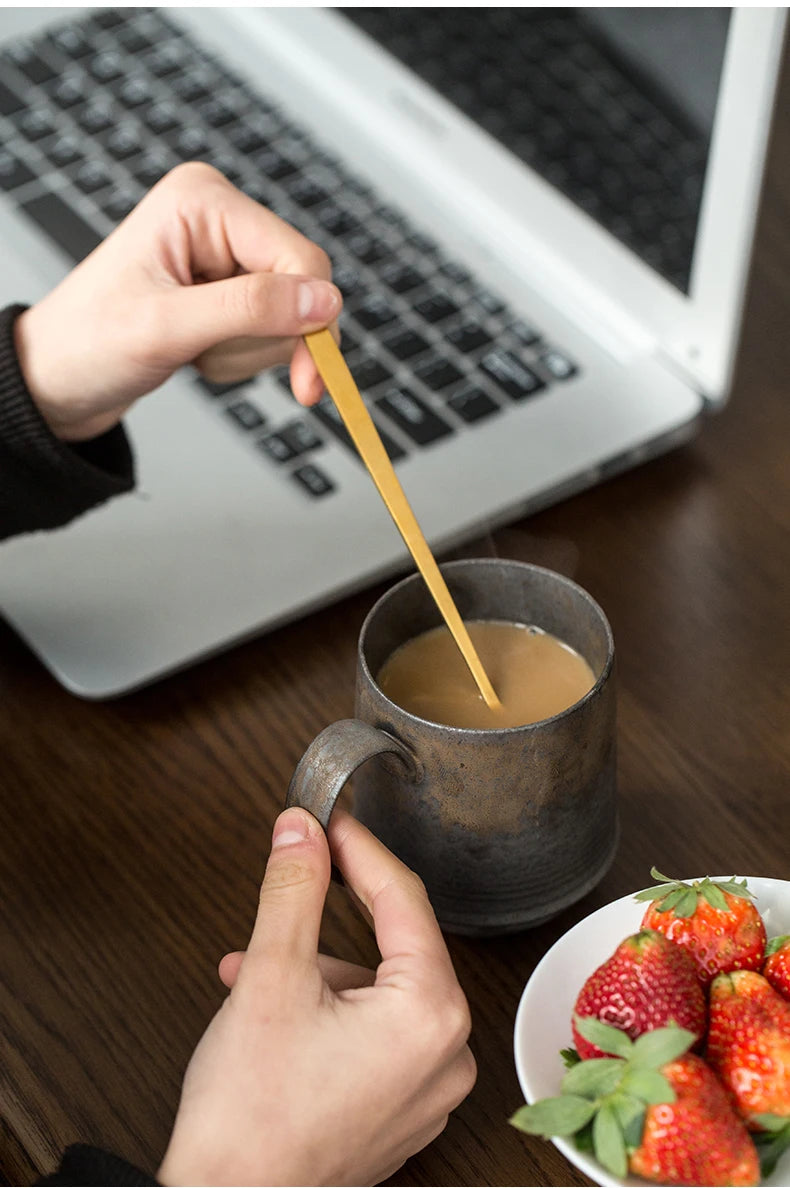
(534, 674)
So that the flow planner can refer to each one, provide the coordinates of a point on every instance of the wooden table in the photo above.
(133, 835)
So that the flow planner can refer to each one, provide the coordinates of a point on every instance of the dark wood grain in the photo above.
(133, 835)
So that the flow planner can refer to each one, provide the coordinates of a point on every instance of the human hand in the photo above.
(310, 1074)
(197, 273)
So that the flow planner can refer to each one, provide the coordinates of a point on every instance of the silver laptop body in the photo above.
(227, 535)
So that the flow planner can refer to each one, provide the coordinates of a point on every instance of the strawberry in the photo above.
(777, 964)
(715, 921)
(649, 1107)
(749, 1049)
(647, 982)
(749, 1042)
(697, 1138)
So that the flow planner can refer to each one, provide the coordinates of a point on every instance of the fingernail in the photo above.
(291, 827)
(317, 301)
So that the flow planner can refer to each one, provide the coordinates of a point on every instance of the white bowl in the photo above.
(543, 1021)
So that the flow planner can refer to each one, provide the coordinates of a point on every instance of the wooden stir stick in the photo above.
(359, 423)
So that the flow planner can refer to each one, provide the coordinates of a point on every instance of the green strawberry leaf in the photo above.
(772, 1144)
(713, 893)
(671, 900)
(654, 1049)
(775, 944)
(648, 1086)
(570, 1057)
(656, 874)
(609, 1142)
(686, 905)
(583, 1140)
(594, 1078)
(631, 1114)
(609, 1039)
(739, 889)
(651, 893)
(769, 1122)
(554, 1116)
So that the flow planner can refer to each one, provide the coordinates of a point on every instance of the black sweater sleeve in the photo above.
(44, 482)
(86, 1166)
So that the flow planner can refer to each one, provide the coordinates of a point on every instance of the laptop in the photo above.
(541, 220)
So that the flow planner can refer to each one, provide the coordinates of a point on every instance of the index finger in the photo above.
(403, 919)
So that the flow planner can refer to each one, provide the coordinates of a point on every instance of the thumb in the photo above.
(285, 936)
(255, 304)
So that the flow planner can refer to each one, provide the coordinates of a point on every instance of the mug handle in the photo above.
(332, 758)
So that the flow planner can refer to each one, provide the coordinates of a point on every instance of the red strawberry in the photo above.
(697, 1138)
(715, 921)
(650, 1109)
(749, 1044)
(647, 982)
(777, 964)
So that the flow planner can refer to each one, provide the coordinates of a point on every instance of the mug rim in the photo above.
(475, 562)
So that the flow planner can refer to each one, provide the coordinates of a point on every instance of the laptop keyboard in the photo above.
(557, 95)
(95, 111)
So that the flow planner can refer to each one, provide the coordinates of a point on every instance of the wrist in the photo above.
(30, 365)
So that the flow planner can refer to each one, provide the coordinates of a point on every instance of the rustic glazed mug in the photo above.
(506, 827)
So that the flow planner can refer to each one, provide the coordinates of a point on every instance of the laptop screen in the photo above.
(613, 106)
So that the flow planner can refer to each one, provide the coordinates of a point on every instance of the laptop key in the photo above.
(95, 117)
(471, 404)
(245, 415)
(306, 193)
(62, 224)
(468, 336)
(347, 280)
(10, 103)
(27, 60)
(401, 278)
(313, 480)
(91, 176)
(301, 436)
(71, 41)
(123, 142)
(64, 151)
(404, 343)
(366, 247)
(119, 203)
(188, 143)
(192, 86)
(68, 91)
(373, 311)
(488, 302)
(526, 334)
(370, 372)
(134, 92)
(106, 66)
(436, 372)
(36, 123)
(413, 416)
(161, 117)
(12, 171)
(276, 447)
(150, 167)
(511, 375)
(247, 138)
(436, 306)
(335, 219)
(273, 165)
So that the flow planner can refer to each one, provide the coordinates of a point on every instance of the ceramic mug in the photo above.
(505, 827)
